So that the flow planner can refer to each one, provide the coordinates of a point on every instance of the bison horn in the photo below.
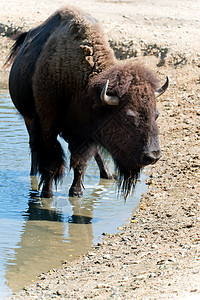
(160, 91)
(109, 100)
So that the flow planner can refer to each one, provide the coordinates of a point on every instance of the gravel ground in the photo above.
(157, 254)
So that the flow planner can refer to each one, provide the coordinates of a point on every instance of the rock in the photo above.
(106, 256)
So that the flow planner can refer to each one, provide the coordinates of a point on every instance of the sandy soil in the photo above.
(157, 254)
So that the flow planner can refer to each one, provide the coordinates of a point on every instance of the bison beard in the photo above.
(127, 179)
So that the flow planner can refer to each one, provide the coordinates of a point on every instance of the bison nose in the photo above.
(150, 157)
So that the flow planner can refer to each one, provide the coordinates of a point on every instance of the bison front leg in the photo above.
(76, 187)
(81, 153)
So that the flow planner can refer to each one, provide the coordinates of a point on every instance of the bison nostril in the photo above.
(147, 159)
(150, 157)
(157, 154)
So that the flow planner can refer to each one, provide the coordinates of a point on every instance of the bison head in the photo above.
(125, 119)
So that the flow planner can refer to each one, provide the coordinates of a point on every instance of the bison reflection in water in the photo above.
(65, 80)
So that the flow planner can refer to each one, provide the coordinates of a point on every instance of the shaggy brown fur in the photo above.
(56, 81)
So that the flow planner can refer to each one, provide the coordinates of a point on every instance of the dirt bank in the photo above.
(156, 255)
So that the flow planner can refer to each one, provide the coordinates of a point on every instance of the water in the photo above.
(37, 234)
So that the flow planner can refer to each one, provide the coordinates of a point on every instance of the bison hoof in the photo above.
(75, 192)
(46, 194)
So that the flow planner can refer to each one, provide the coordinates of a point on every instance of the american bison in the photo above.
(65, 80)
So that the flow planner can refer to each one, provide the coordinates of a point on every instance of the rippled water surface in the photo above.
(37, 234)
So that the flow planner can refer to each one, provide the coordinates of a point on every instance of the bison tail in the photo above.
(19, 39)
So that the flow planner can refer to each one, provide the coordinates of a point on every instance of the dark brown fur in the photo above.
(56, 81)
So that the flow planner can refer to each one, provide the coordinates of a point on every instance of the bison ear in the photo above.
(108, 100)
(160, 91)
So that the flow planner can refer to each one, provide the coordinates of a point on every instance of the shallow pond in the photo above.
(37, 234)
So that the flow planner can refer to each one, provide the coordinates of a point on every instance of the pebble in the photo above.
(120, 228)
(161, 262)
(155, 232)
(172, 259)
(91, 254)
(152, 275)
(102, 285)
(141, 277)
(106, 256)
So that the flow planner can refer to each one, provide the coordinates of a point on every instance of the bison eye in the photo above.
(126, 120)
